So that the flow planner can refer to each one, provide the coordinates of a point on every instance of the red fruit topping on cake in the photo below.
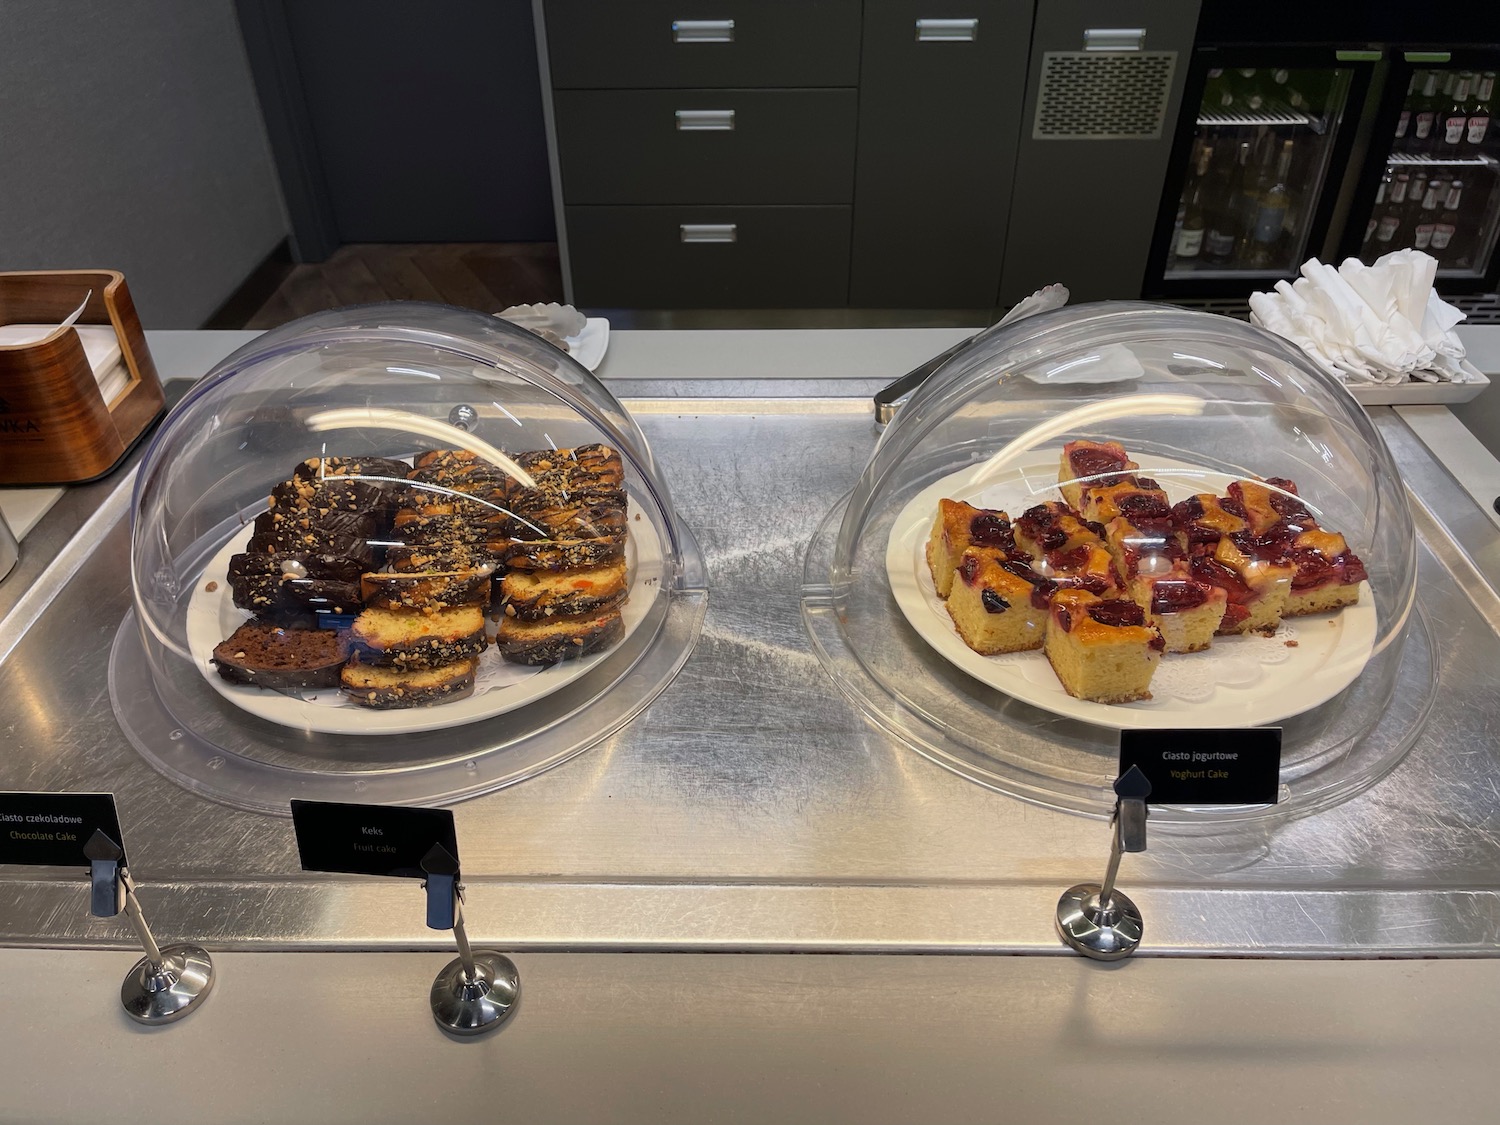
(1170, 595)
(1117, 612)
(1097, 461)
(991, 530)
(1042, 588)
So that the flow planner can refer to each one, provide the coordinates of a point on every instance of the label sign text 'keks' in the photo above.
(369, 839)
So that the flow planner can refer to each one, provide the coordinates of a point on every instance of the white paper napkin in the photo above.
(1382, 323)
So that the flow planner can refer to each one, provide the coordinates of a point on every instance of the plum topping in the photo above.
(1216, 573)
(989, 530)
(1234, 507)
(1354, 569)
(1042, 588)
(993, 602)
(968, 570)
(1142, 505)
(1069, 560)
(1117, 612)
(1093, 463)
(1157, 643)
(1064, 618)
(1172, 595)
(1093, 583)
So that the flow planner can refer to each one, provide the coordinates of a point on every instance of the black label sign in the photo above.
(51, 829)
(1206, 767)
(369, 839)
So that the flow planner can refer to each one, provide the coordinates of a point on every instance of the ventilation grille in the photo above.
(1479, 308)
(1089, 96)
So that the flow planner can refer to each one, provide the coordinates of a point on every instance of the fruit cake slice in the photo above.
(411, 639)
(1102, 650)
(1068, 550)
(538, 595)
(1135, 498)
(386, 689)
(557, 638)
(998, 603)
(426, 591)
(957, 527)
(1091, 464)
(1328, 573)
(1186, 609)
(1222, 551)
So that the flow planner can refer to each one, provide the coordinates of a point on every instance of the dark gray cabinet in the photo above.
(939, 120)
(646, 44)
(711, 257)
(860, 150)
(706, 146)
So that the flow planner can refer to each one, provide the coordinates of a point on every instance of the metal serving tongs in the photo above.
(893, 397)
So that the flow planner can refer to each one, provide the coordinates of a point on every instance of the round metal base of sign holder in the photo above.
(1105, 933)
(472, 1007)
(161, 993)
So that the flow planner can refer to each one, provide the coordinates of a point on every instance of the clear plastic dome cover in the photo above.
(1204, 407)
(453, 557)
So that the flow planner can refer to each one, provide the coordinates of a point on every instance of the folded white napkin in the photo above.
(1368, 324)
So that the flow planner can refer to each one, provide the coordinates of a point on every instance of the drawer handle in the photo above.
(704, 120)
(947, 31)
(709, 232)
(1114, 39)
(702, 31)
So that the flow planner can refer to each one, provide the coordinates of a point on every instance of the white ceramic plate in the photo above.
(500, 686)
(589, 346)
(1240, 681)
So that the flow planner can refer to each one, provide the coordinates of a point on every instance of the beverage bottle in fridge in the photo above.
(1426, 113)
(1194, 216)
(1478, 126)
(1455, 121)
(1375, 212)
(1403, 123)
(1271, 218)
(1218, 97)
(1445, 243)
(1416, 191)
(1248, 96)
(1427, 218)
(1224, 210)
(1390, 222)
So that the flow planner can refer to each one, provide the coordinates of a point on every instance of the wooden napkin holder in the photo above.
(55, 427)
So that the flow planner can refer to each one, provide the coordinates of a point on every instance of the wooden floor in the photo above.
(475, 275)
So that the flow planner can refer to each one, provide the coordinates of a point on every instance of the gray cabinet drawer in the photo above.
(939, 116)
(706, 146)
(709, 257)
(653, 44)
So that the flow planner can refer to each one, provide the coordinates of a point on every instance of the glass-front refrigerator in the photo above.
(1433, 179)
(1257, 162)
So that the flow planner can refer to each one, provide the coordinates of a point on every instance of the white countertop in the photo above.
(299, 1037)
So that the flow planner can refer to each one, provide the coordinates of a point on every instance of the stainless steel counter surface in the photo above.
(752, 808)
(694, 1037)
